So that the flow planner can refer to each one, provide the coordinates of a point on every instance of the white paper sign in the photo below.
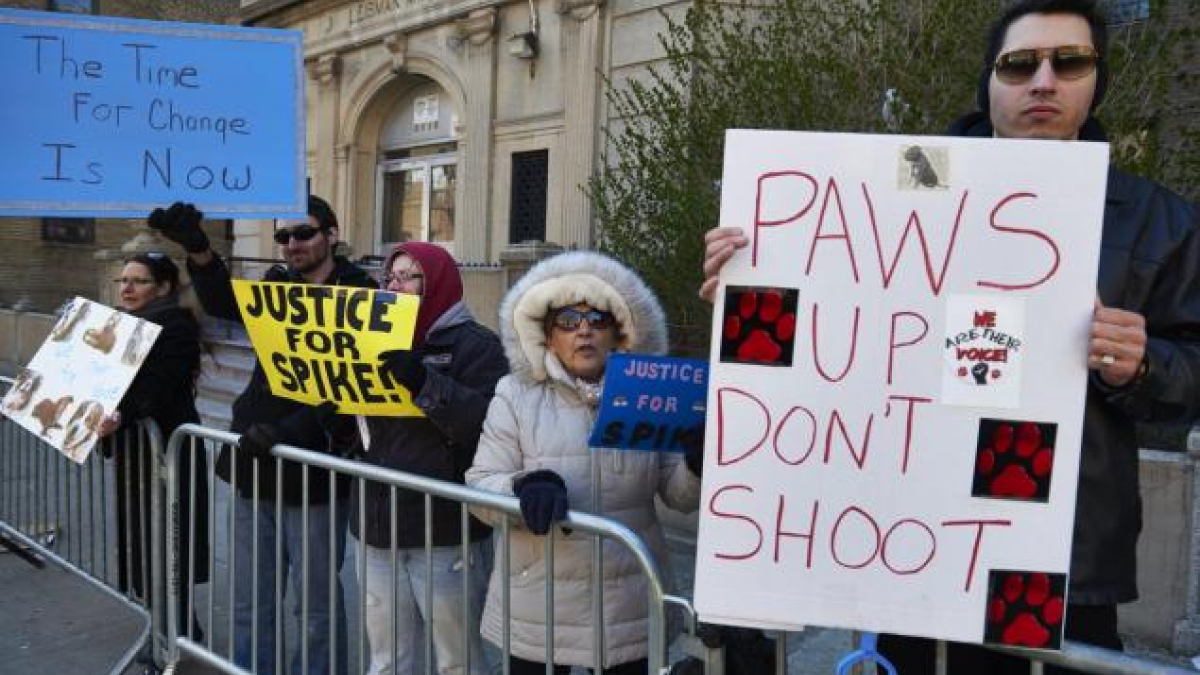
(79, 375)
(898, 381)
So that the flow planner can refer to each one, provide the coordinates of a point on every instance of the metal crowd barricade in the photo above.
(1076, 656)
(180, 646)
(1081, 657)
(53, 509)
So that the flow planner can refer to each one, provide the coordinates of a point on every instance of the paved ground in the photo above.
(52, 621)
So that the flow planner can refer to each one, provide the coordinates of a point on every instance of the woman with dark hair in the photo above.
(163, 390)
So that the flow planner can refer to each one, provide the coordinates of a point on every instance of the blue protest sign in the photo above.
(651, 403)
(114, 117)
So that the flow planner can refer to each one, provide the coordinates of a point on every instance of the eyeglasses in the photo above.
(300, 232)
(134, 281)
(402, 278)
(1069, 63)
(570, 319)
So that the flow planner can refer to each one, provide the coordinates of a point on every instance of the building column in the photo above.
(347, 213)
(325, 72)
(583, 35)
(472, 229)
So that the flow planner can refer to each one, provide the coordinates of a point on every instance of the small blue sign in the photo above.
(651, 403)
(115, 117)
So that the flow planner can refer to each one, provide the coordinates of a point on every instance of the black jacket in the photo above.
(1149, 264)
(257, 404)
(463, 363)
(164, 387)
(163, 390)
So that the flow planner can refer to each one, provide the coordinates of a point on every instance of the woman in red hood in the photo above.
(451, 372)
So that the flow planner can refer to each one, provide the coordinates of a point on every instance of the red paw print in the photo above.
(1025, 609)
(1014, 460)
(759, 325)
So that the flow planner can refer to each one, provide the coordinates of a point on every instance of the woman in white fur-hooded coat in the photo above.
(540, 419)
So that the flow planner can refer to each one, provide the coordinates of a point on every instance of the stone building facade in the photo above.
(471, 123)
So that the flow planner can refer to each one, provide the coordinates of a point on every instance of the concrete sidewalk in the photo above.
(54, 622)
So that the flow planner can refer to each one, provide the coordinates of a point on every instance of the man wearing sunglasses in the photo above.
(1043, 75)
(264, 420)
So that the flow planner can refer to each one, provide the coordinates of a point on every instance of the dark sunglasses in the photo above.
(300, 232)
(1069, 63)
(569, 319)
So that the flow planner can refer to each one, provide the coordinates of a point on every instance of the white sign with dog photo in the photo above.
(79, 375)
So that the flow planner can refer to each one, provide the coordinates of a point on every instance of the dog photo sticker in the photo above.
(982, 351)
(1025, 609)
(1014, 459)
(759, 325)
(923, 167)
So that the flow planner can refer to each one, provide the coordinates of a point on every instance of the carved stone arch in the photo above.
(371, 97)
(377, 86)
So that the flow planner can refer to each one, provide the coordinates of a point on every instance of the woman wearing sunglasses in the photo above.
(559, 324)
(163, 390)
(451, 372)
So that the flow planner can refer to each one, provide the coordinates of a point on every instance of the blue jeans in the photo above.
(394, 653)
(250, 621)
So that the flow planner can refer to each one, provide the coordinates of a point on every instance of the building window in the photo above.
(418, 200)
(527, 210)
(69, 230)
(1127, 11)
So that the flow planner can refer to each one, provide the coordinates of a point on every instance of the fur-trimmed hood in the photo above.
(572, 278)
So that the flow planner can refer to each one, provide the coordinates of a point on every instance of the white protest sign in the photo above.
(79, 375)
(899, 370)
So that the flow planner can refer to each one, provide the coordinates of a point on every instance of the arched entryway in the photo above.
(403, 169)
(417, 173)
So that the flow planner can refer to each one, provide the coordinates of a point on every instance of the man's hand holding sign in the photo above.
(328, 343)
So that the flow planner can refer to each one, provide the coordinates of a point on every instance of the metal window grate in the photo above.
(527, 209)
(69, 230)
(1127, 11)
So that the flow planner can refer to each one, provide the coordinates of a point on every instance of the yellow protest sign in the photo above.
(322, 343)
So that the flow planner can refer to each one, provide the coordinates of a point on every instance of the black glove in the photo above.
(181, 224)
(259, 439)
(296, 429)
(543, 496)
(307, 423)
(405, 367)
(693, 450)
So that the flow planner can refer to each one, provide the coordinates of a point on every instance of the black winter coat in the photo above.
(1149, 264)
(164, 391)
(463, 364)
(258, 405)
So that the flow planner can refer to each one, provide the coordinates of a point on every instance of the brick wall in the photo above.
(39, 275)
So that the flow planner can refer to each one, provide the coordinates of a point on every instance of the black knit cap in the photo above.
(321, 210)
